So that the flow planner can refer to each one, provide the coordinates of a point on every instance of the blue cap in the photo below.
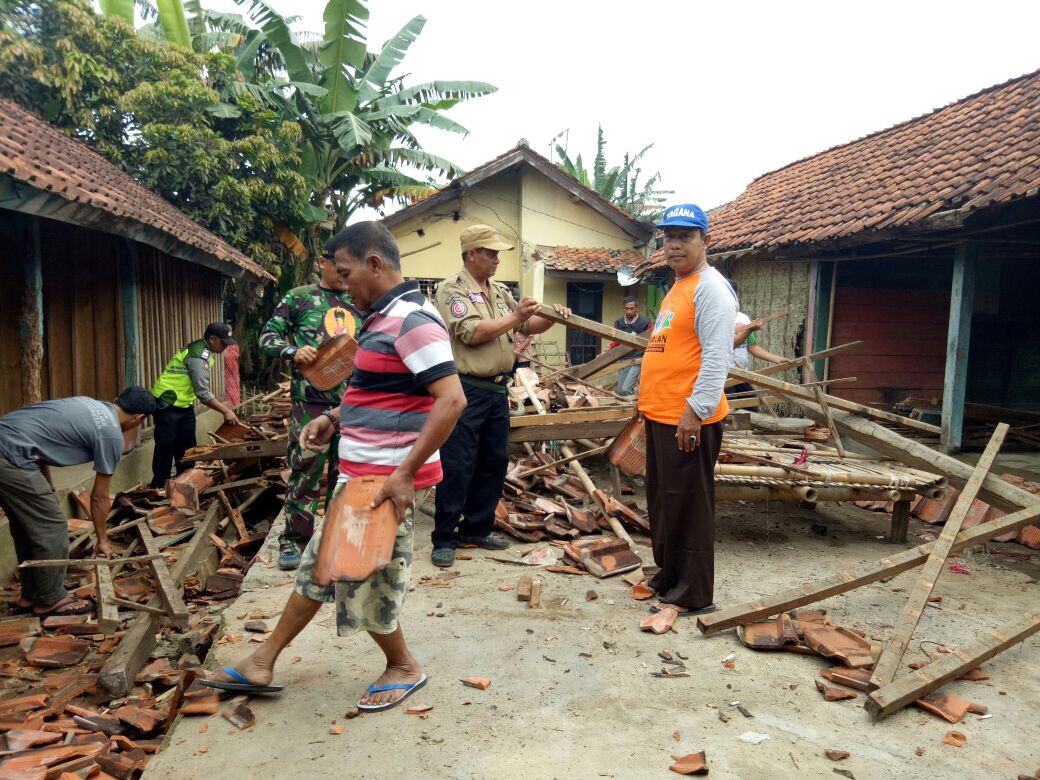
(685, 215)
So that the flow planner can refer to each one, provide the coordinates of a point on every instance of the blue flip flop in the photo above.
(241, 684)
(408, 688)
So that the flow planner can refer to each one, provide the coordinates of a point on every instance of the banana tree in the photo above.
(357, 119)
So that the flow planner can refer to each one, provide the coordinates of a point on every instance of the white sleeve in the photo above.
(714, 321)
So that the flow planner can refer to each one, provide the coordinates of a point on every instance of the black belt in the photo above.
(496, 383)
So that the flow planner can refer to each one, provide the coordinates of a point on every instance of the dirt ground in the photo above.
(572, 693)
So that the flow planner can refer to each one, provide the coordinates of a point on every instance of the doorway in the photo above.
(586, 300)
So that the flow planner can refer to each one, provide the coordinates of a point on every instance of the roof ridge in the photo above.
(899, 125)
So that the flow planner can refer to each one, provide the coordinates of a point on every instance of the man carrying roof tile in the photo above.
(403, 400)
(60, 432)
(685, 366)
(186, 380)
(481, 317)
(305, 319)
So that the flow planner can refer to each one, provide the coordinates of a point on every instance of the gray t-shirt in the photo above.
(63, 432)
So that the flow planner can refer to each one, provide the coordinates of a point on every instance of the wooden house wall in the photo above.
(175, 301)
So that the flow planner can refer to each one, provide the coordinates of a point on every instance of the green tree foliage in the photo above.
(165, 115)
(620, 184)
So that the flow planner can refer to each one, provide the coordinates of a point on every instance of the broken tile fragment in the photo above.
(642, 592)
(947, 706)
(692, 764)
(418, 709)
(836, 755)
(56, 651)
(661, 621)
(830, 693)
(15, 630)
(591, 595)
(850, 678)
(338, 729)
(256, 626)
(954, 738)
(238, 714)
(477, 682)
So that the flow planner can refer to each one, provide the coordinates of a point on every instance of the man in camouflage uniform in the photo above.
(306, 318)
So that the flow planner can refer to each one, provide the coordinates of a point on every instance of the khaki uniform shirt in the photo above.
(464, 305)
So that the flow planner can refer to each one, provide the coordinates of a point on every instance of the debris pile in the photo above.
(95, 692)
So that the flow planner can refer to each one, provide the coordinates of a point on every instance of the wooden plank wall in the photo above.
(176, 301)
(82, 319)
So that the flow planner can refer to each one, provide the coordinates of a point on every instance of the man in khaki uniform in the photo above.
(481, 317)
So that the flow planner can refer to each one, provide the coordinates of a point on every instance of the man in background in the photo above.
(635, 323)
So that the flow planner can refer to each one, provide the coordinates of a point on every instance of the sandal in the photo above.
(69, 605)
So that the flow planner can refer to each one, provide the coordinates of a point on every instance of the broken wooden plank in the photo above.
(592, 327)
(892, 651)
(234, 514)
(135, 606)
(906, 690)
(536, 594)
(107, 614)
(167, 590)
(272, 448)
(562, 418)
(821, 399)
(797, 392)
(900, 522)
(89, 561)
(606, 359)
(850, 579)
(568, 431)
(117, 676)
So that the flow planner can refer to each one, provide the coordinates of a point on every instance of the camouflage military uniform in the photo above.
(375, 604)
(307, 316)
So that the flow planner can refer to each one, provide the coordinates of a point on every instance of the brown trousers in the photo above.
(680, 494)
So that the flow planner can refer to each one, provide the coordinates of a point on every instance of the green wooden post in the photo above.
(958, 339)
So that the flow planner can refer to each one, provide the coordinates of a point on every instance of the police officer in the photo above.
(185, 379)
(481, 317)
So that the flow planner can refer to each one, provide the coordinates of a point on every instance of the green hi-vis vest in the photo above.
(174, 384)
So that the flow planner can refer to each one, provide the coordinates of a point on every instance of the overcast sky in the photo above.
(724, 91)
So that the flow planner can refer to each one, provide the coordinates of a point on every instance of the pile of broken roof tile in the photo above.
(56, 714)
(936, 511)
(810, 632)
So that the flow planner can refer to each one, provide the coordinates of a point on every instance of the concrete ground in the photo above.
(572, 693)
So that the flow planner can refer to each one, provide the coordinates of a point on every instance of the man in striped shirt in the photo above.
(403, 400)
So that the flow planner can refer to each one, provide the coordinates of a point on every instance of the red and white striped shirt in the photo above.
(402, 347)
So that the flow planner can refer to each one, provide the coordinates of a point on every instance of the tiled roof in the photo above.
(594, 259)
(522, 154)
(40, 155)
(981, 150)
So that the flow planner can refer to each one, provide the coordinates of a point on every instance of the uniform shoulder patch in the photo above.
(204, 354)
(457, 306)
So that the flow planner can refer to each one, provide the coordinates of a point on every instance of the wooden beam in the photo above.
(88, 561)
(168, 591)
(779, 368)
(568, 431)
(614, 368)
(797, 392)
(821, 399)
(234, 514)
(950, 666)
(592, 327)
(562, 461)
(958, 338)
(893, 650)
(117, 675)
(605, 359)
(850, 579)
(576, 416)
(900, 523)
(30, 316)
(107, 615)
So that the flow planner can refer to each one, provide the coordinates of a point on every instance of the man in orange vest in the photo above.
(681, 396)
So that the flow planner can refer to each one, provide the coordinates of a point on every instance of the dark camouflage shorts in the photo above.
(375, 604)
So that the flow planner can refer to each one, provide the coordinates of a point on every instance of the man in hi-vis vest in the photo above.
(185, 380)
